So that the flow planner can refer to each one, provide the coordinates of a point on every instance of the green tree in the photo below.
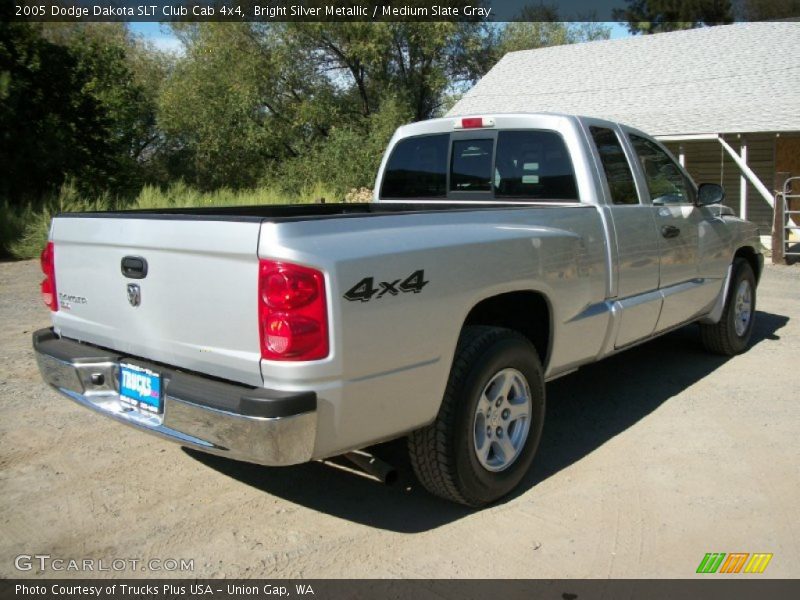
(427, 60)
(657, 16)
(348, 157)
(538, 26)
(48, 130)
(77, 103)
(413, 62)
(240, 100)
(247, 97)
(529, 35)
(122, 76)
(766, 10)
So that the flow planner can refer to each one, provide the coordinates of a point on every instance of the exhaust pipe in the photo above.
(374, 466)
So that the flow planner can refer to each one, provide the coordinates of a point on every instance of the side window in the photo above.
(615, 164)
(533, 165)
(665, 180)
(417, 168)
(471, 168)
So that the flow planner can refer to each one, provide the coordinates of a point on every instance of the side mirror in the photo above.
(710, 193)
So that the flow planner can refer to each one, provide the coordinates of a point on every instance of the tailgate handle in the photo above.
(134, 267)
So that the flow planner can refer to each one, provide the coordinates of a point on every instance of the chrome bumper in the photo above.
(255, 425)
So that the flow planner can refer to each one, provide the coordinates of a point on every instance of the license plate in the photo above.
(140, 388)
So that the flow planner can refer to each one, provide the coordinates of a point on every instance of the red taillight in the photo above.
(293, 315)
(48, 263)
(287, 288)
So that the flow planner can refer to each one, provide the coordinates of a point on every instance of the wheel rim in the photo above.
(743, 307)
(502, 420)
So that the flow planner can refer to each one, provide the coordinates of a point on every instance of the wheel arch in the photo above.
(749, 254)
(528, 312)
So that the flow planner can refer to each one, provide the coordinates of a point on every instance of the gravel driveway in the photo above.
(649, 460)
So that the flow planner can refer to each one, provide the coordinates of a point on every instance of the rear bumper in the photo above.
(262, 426)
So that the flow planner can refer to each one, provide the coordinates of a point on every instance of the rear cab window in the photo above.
(510, 165)
(471, 165)
(417, 168)
(533, 165)
(619, 175)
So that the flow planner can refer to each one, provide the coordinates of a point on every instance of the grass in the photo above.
(24, 229)
(179, 195)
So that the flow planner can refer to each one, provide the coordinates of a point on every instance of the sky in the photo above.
(161, 36)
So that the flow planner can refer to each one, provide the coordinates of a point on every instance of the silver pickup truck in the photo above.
(500, 252)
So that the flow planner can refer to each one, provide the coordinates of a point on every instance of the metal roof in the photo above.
(725, 79)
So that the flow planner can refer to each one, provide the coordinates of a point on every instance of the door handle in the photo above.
(670, 231)
(134, 267)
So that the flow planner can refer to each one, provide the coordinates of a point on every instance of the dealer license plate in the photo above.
(140, 388)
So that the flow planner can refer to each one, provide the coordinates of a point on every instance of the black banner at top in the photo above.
(707, 11)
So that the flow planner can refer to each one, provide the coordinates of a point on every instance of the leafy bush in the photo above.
(24, 229)
(13, 219)
(348, 158)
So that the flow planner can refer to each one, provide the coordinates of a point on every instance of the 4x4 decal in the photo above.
(365, 289)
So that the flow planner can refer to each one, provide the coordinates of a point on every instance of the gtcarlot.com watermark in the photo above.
(45, 562)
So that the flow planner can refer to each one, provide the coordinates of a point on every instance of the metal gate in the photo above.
(788, 222)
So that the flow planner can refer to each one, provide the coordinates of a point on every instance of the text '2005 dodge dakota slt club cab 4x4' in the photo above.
(500, 252)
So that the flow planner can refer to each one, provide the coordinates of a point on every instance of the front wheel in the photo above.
(731, 335)
(488, 428)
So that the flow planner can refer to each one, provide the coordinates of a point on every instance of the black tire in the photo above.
(722, 338)
(443, 454)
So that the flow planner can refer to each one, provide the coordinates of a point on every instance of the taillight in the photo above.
(292, 312)
(48, 262)
(473, 123)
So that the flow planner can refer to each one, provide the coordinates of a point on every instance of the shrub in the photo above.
(24, 229)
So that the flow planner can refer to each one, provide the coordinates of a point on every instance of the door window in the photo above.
(665, 181)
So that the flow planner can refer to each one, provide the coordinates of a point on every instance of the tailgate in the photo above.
(196, 305)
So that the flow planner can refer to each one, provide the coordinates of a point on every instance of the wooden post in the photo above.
(778, 223)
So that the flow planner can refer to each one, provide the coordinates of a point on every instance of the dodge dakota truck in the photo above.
(500, 252)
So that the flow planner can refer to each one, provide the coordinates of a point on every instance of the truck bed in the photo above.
(196, 308)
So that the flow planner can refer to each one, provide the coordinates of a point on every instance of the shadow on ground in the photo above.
(584, 410)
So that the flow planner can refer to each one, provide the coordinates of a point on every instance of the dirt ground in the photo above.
(649, 460)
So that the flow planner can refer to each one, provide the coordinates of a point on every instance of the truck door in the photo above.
(679, 222)
(636, 277)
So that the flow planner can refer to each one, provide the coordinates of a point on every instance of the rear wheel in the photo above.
(731, 334)
(489, 425)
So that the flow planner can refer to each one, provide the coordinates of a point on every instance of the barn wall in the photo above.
(708, 162)
(787, 154)
(787, 162)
